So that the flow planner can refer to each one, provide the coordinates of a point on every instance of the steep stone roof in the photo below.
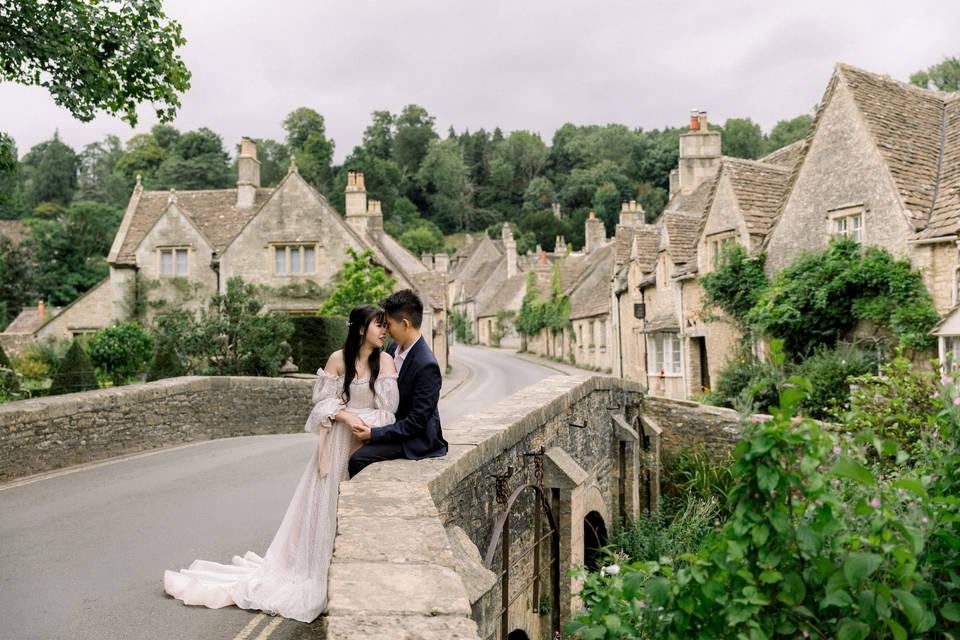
(591, 295)
(945, 217)
(214, 212)
(475, 282)
(785, 156)
(16, 230)
(683, 229)
(759, 188)
(623, 241)
(504, 296)
(697, 201)
(28, 320)
(646, 238)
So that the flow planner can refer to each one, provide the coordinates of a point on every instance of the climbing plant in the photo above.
(552, 313)
(736, 283)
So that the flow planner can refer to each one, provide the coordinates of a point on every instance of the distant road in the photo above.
(82, 554)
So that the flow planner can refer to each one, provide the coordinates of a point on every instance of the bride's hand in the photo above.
(350, 419)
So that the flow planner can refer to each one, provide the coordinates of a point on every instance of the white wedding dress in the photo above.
(291, 580)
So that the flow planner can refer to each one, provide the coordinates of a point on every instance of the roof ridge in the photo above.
(884, 77)
(760, 163)
(939, 178)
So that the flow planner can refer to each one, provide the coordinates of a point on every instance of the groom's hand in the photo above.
(361, 431)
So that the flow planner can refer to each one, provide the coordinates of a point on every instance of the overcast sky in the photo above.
(517, 64)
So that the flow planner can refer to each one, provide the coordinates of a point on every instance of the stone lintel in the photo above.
(650, 426)
(560, 471)
(623, 431)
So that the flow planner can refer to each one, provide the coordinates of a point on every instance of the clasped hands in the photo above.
(360, 428)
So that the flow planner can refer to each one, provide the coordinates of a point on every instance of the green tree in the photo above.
(121, 351)
(538, 195)
(75, 372)
(142, 157)
(360, 281)
(379, 135)
(944, 76)
(307, 141)
(94, 54)
(12, 205)
(444, 178)
(544, 226)
(420, 240)
(17, 280)
(274, 160)
(606, 203)
(166, 135)
(49, 172)
(411, 142)
(70, 252)
(196, 161)
(742, 138)
(98, 180)
(788, 131)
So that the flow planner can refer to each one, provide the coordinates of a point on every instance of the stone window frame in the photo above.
(840, 222)
(287, 246)
(656, 343)
(174, 250)
(950, 353)
(714, 244)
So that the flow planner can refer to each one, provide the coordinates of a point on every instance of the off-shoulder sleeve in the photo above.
(327, 402)
(386, 394)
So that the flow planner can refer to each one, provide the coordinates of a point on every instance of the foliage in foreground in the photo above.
(831, 536)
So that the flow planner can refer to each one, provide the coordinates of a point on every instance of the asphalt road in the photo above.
(82, 553)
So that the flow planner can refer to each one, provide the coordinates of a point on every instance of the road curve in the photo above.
(82, 553)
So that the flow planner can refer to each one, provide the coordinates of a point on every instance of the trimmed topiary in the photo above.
(165, 364)
(75, 372)
(314, 339)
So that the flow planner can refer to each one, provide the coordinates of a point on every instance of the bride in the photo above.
(358, 385)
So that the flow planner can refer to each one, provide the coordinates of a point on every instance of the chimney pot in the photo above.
(40, 310)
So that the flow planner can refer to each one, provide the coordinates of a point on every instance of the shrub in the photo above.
(165, 364)
(668, 531)
(75, 372)
(829, 372)
(749, 382)
(31, 366)
(314, 339)
(462, 327)
(121, 351)
(700, 473)
(736, 283)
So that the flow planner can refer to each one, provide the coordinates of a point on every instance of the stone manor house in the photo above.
(286, 239)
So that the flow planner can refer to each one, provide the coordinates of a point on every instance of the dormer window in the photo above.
(294, 259)
(717, 245)
(174, 261)
(847, 222)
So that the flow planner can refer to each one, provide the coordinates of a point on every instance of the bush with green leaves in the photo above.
(829, 372)
(552, 313)
(830, 536)
(697, 472)
(74, 373)
(462, 327)
(314, 339)
(748, 381)
(737, 282)
(121, 351)
(360, 281)
(667, 531)
(165, 364)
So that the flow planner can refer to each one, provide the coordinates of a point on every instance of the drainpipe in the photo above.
(215, 265)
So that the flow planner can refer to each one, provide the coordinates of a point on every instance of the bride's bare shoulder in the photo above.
(334, 366)
(387, 365)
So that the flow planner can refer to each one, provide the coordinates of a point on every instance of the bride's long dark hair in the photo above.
(360, 319)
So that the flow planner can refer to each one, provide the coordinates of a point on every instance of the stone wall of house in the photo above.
(56, 431)
(89, 312)
(842, 167)
(593, 342)
(938, 264)
(718, 332)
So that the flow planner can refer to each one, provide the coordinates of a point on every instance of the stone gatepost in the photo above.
(651, 451)
(627, 468)
(567, 481)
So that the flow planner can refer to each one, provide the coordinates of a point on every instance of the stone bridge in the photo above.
(545, 475)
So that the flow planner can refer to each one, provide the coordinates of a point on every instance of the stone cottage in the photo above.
(185, 246)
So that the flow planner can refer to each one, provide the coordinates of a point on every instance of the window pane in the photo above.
(308, 260)
(181, 262)
(280, 259)
(294, 259)
(675, 353)
(166, 262)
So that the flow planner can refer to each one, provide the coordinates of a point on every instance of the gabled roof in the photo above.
(591, 295)
(785, 156)
(759, 188)
(29, 320)
(683, 230)
(213, 212)
(644, 251)
(509, 291)
(697, 201)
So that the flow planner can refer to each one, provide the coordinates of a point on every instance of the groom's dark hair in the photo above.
(404, 304)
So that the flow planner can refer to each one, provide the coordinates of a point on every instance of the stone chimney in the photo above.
(427, 260)
(374, 217)
(556, 211)
(560, 246)
(356, 201)
(631, 214)
(674, 183)
(510, 248)
(699, 153)
(248, 174)
(441, 262)
(594, 233)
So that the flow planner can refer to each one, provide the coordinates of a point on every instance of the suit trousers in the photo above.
(370, 453)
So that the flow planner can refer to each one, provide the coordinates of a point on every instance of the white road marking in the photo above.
(269, 628)
(247, 630)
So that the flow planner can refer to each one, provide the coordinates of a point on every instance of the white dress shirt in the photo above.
(401, 354)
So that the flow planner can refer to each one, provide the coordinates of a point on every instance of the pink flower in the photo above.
(836, 483)
(956, 400)
(806, 634)
(836, 450)
(936, 433)
(875, 503)
(933, 477)
(936, 394)
(925, 520)
(642, 604)
(945, 379)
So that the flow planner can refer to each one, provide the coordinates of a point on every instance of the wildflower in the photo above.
(945, 379)
(806, 634)
(875, 503)
(836, 483)
(936, 433)
(936, 394)
(924, 520)
(956, 400)
(612, 570)
(641, 604)
(836, 450)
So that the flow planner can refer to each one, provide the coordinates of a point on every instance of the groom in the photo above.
(416, 433)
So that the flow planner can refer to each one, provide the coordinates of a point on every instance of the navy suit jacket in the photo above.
(417, 428)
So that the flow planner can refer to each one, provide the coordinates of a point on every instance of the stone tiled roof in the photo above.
(683, 229)
(697, 201)
(945, 218)
(214, 212)
(623, 240)
(785, 156)
(759, 188)
(907, 124)
(16, 230)
(28, 320)
(432, 286)
(591, 295)
(473, 284)
(645, 240)
(504, 295)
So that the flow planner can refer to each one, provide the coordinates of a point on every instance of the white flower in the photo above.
(612, 570)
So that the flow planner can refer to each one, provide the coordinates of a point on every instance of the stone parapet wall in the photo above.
(43, 434)
(689, 425)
